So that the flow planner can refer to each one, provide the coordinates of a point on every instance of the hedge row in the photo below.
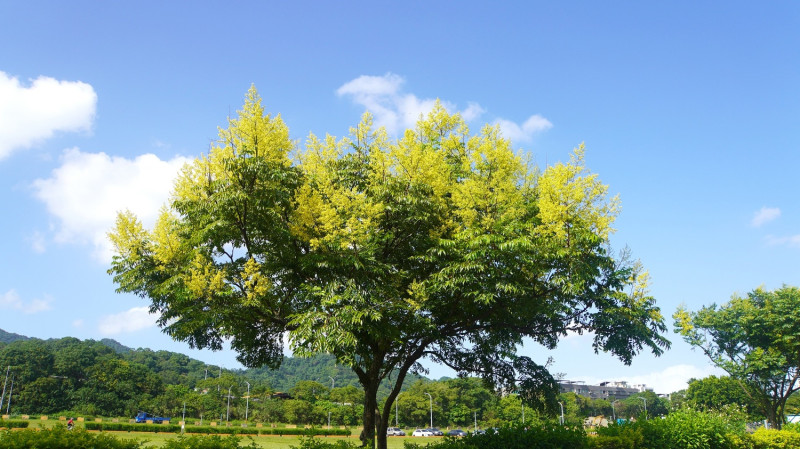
(222, 430)
(13, 423)
(156, 428)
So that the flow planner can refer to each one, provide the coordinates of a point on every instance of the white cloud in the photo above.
(764, 216)
(525, 132)
(396, 110)
(85, 193)
(29, 115)
(37, 240)
(77, 323)
(390, 107)
(129, 321)
(668, 380)
(792, 240)
(11, 300)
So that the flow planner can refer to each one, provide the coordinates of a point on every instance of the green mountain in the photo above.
(8, 337)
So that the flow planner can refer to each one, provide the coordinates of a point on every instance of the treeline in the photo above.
(104, 378)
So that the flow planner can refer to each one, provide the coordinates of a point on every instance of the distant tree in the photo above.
(756, 340)
(442, 245)
(716, 393)
(309, 390)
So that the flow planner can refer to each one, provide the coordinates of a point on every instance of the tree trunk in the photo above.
(370, 411)
(383, 424)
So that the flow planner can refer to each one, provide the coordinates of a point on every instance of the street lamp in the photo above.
(10, 393)
(431, 398)
(228, 413)
(247, 407)
(645, 406)
(396, 400)
(3, 397)
(562, 412)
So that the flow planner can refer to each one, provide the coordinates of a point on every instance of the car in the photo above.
(421, 433)
(479, 432)
(435, 432)
(457, 433)
(395, 432)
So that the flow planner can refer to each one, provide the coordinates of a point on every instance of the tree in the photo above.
(440, 245)
(716, 393)
(756, 340)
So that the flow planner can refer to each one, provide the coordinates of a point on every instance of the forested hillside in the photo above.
(107, 378)
(8, 337)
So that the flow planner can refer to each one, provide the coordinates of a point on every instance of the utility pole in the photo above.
(247, 407)
(10, 393)
(431, 398)
(228, 413)
(3, 398)
(396, 415)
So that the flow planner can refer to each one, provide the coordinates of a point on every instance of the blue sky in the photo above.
(689, 111)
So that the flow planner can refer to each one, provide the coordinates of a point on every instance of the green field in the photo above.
(155, 440)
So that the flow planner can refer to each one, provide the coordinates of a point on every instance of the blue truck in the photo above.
(143, 417)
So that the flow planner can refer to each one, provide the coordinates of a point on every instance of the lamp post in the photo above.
(10, 393)
(613, 410)
(228, 413)
(247, 406)
(429, 397)
(562, 412)
(396, 419)
(645, 406)
(3, 397)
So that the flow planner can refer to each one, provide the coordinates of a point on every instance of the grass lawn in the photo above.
(154, 440)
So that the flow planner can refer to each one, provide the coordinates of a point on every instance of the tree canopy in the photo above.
(756, 340)
(440, 244)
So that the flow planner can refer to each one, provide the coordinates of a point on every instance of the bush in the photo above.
(539, 437)
(118, 426)
(775, 439)
(684, 429)
(625, 436)
(207, 442)
(312, 443)
(14, 423)
(60, 438)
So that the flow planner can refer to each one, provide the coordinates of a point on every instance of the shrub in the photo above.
(535, 437)
(207, 442)
(59, 438)
(776, 439)
(312, 443)
(14, 423)
(683, 429)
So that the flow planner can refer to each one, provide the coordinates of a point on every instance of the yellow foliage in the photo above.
(166, 241)
(204, 279)
(128, 236)
(570, 195)
(256, 285)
